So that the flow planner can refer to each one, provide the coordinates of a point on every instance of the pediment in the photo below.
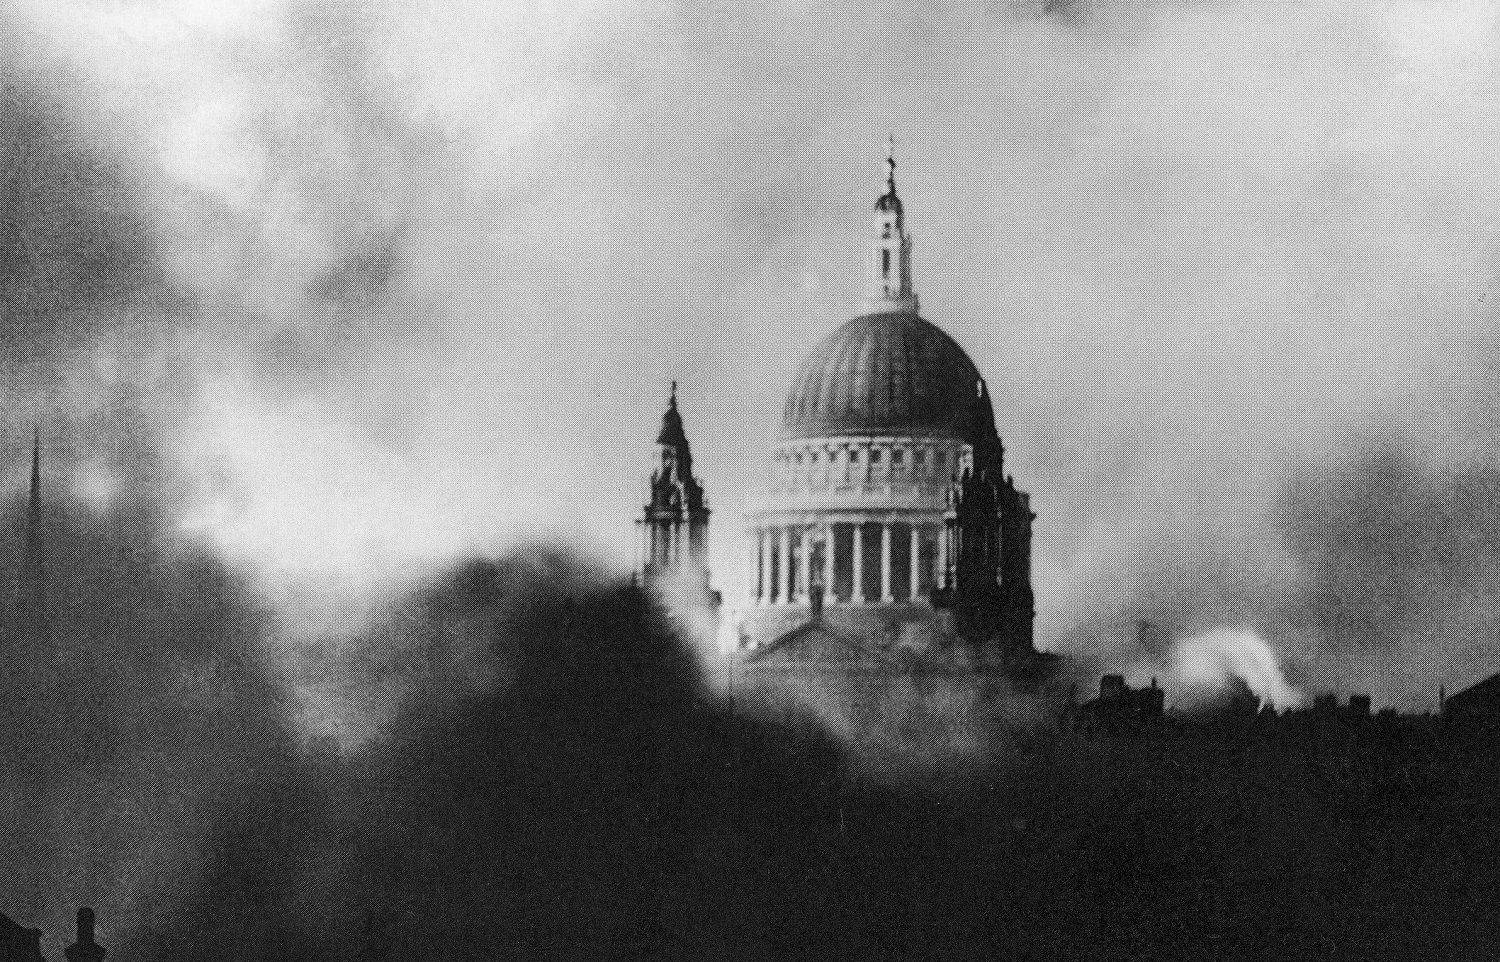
(815, 643)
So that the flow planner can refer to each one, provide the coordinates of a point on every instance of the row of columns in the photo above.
(771, 573)
(666, 543)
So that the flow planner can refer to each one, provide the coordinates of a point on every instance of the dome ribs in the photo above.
(881, 374)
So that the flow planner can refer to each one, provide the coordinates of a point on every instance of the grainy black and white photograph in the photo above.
(811, 480)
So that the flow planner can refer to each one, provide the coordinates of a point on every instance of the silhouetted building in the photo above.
(1476, 705)
(1120, 707)
(18, 943)
(987, 576)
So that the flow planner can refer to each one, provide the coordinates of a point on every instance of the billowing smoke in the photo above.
(1205, 666)
(312, 300)
(389, 261)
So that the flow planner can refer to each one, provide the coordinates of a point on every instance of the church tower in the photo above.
(674, 528)
(988, 523)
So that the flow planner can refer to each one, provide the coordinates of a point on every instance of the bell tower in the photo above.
(674, 528)
(988, 522)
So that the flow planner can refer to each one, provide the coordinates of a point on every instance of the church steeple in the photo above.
(674, 529)
(31, 597)
(890, 287)
(34, 506)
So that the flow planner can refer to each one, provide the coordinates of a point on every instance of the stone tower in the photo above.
(988, 524)
(674, 528)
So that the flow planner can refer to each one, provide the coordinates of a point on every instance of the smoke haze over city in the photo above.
(409, 280)
(347, 328)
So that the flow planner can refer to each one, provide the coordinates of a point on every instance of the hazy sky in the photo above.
(439, 260)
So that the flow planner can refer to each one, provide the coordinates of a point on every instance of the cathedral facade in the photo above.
(885, 529)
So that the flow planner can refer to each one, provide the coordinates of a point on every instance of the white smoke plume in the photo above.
(1206, 664)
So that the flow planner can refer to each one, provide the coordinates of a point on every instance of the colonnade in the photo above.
(785, 561)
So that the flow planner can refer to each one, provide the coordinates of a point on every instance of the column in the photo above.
(783, 593)
(885, 563)
(857, 595)
(752, 570)
(804, 574)
(830, 545)
(942, 557)
(915, 564)
(762, 585)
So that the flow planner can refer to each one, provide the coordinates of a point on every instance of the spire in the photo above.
(34, 508)
(890, 287)
(672, 434)
(890, 162)
(34, 516)
(31, 603)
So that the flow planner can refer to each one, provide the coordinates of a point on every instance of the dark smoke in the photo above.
(138, 696)
(540, 773)
(1398, 558)
(595, 803)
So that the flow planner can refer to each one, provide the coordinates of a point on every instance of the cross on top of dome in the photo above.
(889, 201)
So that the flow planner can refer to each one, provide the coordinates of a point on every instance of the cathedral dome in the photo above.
(889, 373)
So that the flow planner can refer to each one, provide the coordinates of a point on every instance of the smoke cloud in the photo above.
(390, 256)
(1207, 664)
(315, 300)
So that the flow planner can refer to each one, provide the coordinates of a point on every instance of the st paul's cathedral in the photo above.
(885, 530)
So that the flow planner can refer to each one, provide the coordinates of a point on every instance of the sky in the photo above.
(401, 282)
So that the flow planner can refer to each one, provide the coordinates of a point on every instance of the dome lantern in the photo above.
(890, 286)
